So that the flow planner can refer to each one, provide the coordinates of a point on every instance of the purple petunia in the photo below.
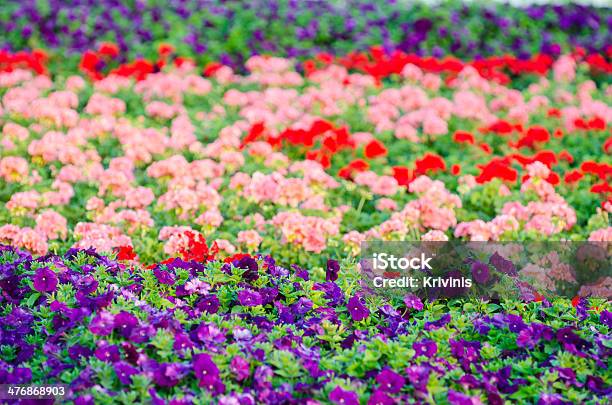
(379, 397)
(425, 347)
(390, 381)
(205, 369)
(413, 302)
(124, 323)
(457, 398)
(208, 303)
(102, 324)
(333, 268)
(124, 372)
(45, 280)
(502, 264)
(357, 309)
(437, 324)
(343, 397)
(249, 298)
(164, 277)
(240, 368)
(480, 272)
(108, 353)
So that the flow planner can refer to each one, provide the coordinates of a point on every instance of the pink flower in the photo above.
(250, 238)
(13, 169)
(52, 225)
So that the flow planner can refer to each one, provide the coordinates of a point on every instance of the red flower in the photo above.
(533, 136)
(236, 256)
(601, 170)
(581, 123)
(607, 146)
(211, 68)
(497, 168)
(374, 149)
(197, 249)
(89, 60)
(402, 175)
(486, 148)
(429, 162)
(554, 112)
(125, 253)
(558, 133)
(601, 188)
(319, 127)
(255, 132)
(325, 58)
(463, 137)
(455, 170)
(309, 67)
(573, 176)
(165, 49)
(597, 124)
(108, 49)
(501, 127)
(565, 155)
(359, 165)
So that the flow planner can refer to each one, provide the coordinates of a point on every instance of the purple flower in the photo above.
(125, 323)
(343, 397)
(333, 268)
(168, 374)
(570, 341)
(597, 385)
(125, 372)
(250, 266)
(268, 295)
(480, 272)
(606, 318)
(300, 272)
(502, 264)
(108, 353)
(208, 303)
(457, 398)
(390, 381)
(515, 323)
(333, 293)
(379, 397)
(531, 335)
(205, 369)
(20, 375)
(444, 320)
(77, 351)
(164, 277)
(418, 376)
(102, 324)
(302, 307)
(182, 341)
(45, 280)
(240, 368)
(357, 310)
(142, 334)
(413, 302)
(249, 298)
(552, 399)
(425, 347)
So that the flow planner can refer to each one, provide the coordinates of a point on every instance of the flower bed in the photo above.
(233, 31)
(250, 331)
(182, 224)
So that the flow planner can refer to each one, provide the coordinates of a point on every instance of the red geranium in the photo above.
(430, 162)
(374, 149)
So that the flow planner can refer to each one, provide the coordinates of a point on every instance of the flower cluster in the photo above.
(247, 330)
